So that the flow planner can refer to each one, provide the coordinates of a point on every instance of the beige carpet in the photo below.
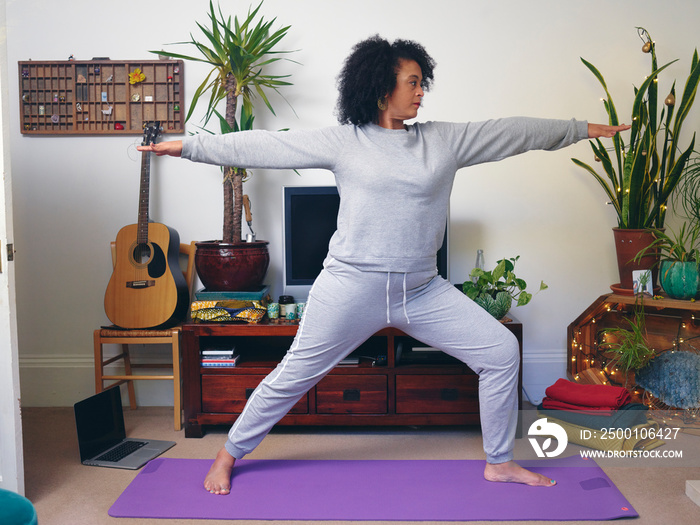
(68, 493)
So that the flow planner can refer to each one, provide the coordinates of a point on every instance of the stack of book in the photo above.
(214, 357)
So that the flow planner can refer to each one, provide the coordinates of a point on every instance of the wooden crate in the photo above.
(669, 324)
(94, 97)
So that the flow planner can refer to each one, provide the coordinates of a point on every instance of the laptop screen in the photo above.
(100, 422)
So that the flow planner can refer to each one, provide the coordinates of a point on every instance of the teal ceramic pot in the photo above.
(679, 279)
(16, 509)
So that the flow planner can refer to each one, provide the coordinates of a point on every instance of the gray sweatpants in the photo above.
(346, 306)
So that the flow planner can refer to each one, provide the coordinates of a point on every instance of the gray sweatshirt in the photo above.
(394, 185)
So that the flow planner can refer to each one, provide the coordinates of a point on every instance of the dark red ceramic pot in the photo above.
(232, 267)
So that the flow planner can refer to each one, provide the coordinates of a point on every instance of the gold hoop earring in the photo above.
(381, 104)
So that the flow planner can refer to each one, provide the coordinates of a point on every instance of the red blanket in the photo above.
(567, 395)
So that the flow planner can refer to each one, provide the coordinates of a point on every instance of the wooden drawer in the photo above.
(352, 394)
(229, 393)
(437, 394)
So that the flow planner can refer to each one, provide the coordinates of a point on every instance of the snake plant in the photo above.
(641, 177)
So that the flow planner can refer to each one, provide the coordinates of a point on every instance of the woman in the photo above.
(383, 254)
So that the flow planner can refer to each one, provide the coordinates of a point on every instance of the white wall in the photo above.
(495, 59)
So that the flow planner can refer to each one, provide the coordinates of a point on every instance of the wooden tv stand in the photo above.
(409, 386)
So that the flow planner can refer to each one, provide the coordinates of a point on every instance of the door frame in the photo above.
(11, 450)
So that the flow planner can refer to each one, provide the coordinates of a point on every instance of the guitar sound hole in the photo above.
(142, 253)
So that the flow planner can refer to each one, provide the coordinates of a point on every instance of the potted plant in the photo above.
(238, 53)
(643, 173)
(687, 197)
(627, 347)
(680, 259)
(496, 290)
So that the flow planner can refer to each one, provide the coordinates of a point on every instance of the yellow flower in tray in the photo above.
(136, 76)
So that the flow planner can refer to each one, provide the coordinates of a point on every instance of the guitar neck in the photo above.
(142, 233)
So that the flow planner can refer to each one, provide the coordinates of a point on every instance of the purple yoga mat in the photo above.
(413, 490)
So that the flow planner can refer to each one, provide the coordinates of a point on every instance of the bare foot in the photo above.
(511, 472)
(218, 480)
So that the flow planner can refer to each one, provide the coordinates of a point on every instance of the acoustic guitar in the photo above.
(147, 288)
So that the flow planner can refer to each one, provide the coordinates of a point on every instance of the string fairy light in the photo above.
(586, 355)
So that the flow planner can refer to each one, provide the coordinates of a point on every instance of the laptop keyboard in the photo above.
(121, 451)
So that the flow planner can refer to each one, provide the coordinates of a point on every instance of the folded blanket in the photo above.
(627, 416)
(639, 437)
(553, 404)
(567, 395)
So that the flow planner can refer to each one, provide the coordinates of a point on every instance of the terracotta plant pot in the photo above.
(226, 267)
(679, 279)
(628, 243)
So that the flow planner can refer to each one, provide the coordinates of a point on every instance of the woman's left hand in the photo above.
(601, 130)
(172, 148)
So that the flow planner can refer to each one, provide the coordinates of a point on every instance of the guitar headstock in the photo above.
(150, 132)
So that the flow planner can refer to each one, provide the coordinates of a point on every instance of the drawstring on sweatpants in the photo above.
(405, 313)
(388, 308)
(388, 315)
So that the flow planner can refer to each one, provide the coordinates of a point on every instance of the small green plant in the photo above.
(496, 290)
(628, 347)
(679, 260)
(687, 196)
(681, 246)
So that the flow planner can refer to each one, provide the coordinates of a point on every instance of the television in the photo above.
(310, 219)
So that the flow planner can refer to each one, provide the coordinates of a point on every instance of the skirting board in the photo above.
(692, 490)
(61, 380)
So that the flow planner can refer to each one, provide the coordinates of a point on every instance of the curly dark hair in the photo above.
(369, 73)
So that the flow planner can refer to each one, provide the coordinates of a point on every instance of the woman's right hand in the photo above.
(601, 130)
(172, 148)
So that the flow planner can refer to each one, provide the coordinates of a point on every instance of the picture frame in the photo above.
(642, 282)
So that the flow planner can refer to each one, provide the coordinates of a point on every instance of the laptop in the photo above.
(102, 438)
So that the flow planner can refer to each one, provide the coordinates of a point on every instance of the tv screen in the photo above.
(310, 219)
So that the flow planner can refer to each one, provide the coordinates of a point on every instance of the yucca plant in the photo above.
(238, 53)
(643, 174)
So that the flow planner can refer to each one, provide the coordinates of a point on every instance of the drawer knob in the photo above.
(449, 394)
(249, 392)
(351, 394)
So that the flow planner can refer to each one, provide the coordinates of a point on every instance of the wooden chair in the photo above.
(171, 336)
